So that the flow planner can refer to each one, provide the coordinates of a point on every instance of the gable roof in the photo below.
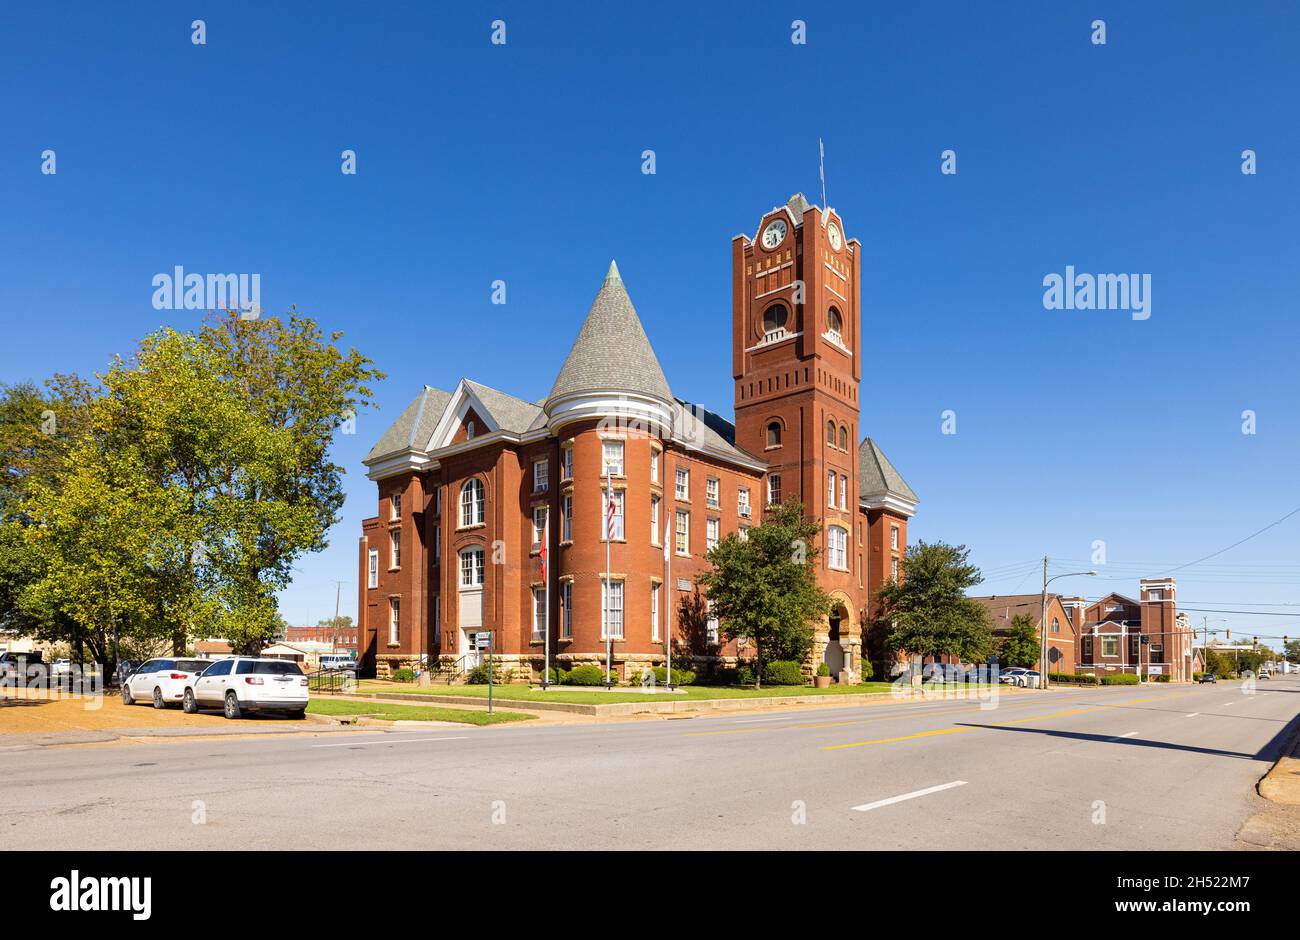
(414, 426)
(612, 351)
(1003, 608)
(698, 428)
(877, 477)
(510, 413)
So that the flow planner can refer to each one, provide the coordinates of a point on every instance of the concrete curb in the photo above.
(1282, 782)
(686, 706)
(22, 742)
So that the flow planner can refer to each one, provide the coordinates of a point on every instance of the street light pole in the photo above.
(1042, 626)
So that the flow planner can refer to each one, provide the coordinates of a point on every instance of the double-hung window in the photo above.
(683, 484)
(611, 610)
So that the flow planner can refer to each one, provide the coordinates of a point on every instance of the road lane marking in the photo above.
(1192, 715)
(750, 721)
(905, 737)
(1118, 737)
(460, 737)
(867, 807)
(1227, 704)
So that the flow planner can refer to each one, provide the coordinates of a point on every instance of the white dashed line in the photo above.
(461, 737)
(1192, 715)
(866, 807)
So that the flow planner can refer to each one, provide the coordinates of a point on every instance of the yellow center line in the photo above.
(906, 737)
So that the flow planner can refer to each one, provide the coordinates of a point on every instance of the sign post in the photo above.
(483, 640)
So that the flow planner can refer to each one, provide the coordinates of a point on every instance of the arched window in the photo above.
(844, 438)
(471, 503)
(830, 433)
(774, 320)
(836, 324)
(774, 434)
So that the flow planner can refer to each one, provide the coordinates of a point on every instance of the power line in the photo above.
(1235, 544)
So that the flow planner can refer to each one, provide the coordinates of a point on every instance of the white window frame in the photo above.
(774, 489)
(394, 621)
(712, 532)
(654, 519)
(473, 502)
(893, 537)
(682, 532)
(539, 612)
(395, 506)
(712, 626)
(712, 492)
(477, 572)
(541, 475)
(893, 568)
(607, 461)
(655, 454)
(372, 567)
(566, 463)
(682, 484)
(539, 525)
(844, 492)
(1111, 640)
(830, 488)
(394, 549)
(837, 548)
(613, 606)
(566, 609)
(654, 612)
(566, 517)
(620, 514)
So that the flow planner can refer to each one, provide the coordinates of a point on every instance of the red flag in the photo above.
(546, 541)
(609, 512)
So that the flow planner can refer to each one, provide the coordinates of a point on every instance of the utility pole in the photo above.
(334, 624)
(1042, 629)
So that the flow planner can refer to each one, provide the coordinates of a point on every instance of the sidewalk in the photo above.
(1277, 825)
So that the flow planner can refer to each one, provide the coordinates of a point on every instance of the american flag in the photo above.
(546, 541)
(610, 509)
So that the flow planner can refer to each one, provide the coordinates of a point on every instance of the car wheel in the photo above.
(299, 714)
(126, 695)
(232, 705)
(158, 699)
(188, 704)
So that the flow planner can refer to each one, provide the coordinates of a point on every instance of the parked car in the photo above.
(1209, 677)
(1008, 676)
(1023, 678)
(1265, 675)
(25, 668)
(161, 681)
(247, 684)
(330, 661)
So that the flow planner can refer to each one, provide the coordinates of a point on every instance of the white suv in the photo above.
(245, 684)
(161, 681)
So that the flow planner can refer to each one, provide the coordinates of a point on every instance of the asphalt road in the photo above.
(1155, 767)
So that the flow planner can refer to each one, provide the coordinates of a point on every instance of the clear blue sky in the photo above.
(522, 162)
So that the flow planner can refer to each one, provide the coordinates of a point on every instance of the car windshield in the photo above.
(276, 668)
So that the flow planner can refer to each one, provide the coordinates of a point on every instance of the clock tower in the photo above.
(796, 363)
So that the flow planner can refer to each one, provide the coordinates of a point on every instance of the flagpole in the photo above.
(609, 632)
(546, 587)
(668, 595)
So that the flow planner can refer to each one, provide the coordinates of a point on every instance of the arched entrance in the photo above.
(838, 635)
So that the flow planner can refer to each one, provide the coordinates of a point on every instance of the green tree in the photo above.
(1292, 651)
(1020, 647)
(927, 612)
(205, 474)
(764, 588)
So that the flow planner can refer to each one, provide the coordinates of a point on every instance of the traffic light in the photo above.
(1229, 632)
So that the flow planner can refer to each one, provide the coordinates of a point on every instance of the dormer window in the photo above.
(775, 318)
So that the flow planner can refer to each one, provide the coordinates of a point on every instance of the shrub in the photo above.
(823, 669)
(725, 675)
(404, 675)
(557, 675)
(1123, 678)
(784, 672)
(479, 675)
(867, 671)
(1079, 678)
(681, 675)
(744, 674)
(1162, 678)
(586, 675)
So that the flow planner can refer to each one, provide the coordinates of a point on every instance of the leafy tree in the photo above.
(1292, 651)
(204, 475)
(1020, 647)
(927, 612)
(764, 588)
(336, 623)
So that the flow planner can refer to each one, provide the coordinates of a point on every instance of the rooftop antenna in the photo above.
(821, 153)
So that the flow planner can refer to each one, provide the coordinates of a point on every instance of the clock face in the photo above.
(774, 234)
(833, 233)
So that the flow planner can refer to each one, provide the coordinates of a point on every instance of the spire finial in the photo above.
(612, 274)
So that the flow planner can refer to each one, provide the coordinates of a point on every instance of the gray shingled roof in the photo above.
(698, 426)
(414, 426)
(612, 351)
(877, 476)
(510, 413)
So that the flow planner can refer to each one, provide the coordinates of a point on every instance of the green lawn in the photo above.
(391, 712)
(588, 696)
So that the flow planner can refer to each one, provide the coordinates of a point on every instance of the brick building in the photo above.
(466, 480)
(343, 639)
(1148, 635)
(1062, 621)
